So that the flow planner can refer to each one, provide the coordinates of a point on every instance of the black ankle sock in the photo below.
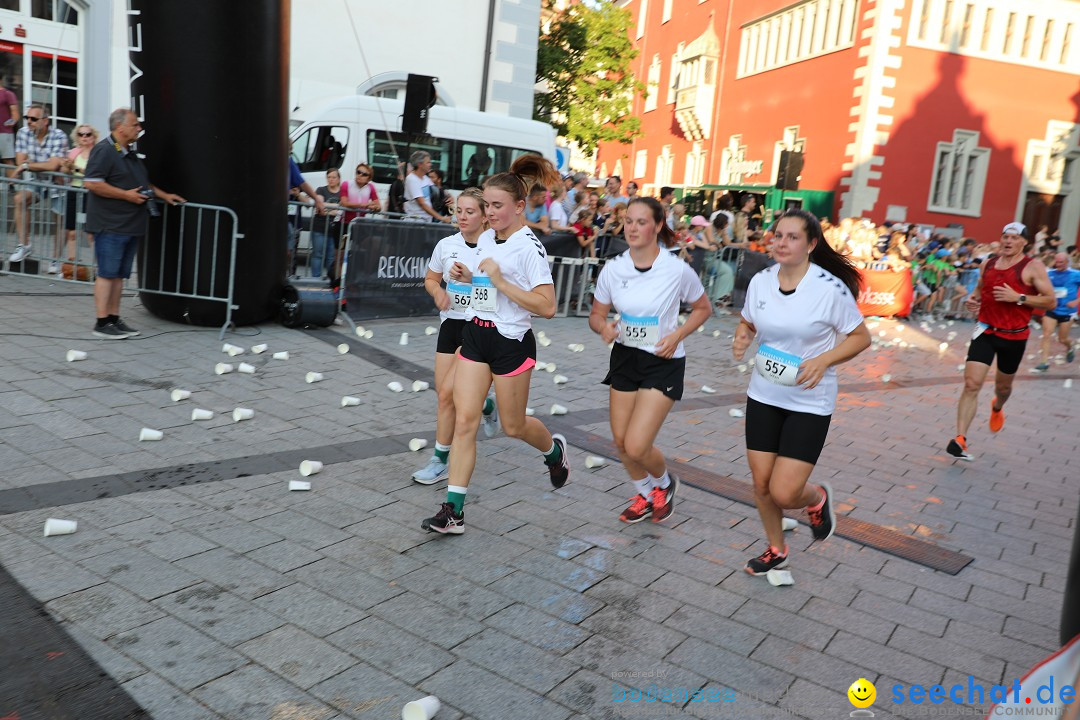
(112, 318)
(102, 322)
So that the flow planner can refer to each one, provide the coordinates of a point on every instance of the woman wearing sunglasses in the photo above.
(85, 138)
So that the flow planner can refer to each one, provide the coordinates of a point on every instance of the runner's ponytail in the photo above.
(528, 170)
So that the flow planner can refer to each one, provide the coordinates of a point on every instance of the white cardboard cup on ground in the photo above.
(943, 347)
(246, 368)
(716, 333)
(592, 461)
(417, 444)
(778, 578)
(232, 350)
(283, 355)
(395, 386)
(882, 333)
(736, 413)
(700, 328)
(560, 379)
(223, 368)
(422, 709)
(259, 349)
(529, 412)
(313, 377)
(310, 467)
(343, 349)
(76, 355)
(147, 434)
(706, 389)
(886, 378)
(550, 367)
(404, 339)
(419, 386)
(242, 414)
(360, 331)
(295, 485)
(177, 395)
(541, 334)
(1068, 383)
(350, 401)
(201, 414)
(369, 334)
(429, 330)
(742, 368)
(54, 526)
(558, 409)
(545, 341)
(541, 365)
(787, 524)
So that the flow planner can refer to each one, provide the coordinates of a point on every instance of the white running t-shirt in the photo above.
(647, 302)
(523, 262)
(795, 327)
(454, 249)
(416, 187)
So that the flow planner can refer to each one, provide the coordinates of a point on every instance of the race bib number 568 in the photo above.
(484, 295)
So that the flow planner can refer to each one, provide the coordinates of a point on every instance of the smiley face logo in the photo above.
(862, 693)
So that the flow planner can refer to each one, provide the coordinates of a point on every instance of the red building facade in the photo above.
(941, 112)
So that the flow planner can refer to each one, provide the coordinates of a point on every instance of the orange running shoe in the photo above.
(997, 418)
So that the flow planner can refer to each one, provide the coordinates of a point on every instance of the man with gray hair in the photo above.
(117, 213)
(417, 199)
(579, 183)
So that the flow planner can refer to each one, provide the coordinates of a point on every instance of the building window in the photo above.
(674, 78)
(959, 176)
(667, 12)
(641, 163)
(652, 88)
(695, 166)
(643, 15)
(663, 166)
(799, 32)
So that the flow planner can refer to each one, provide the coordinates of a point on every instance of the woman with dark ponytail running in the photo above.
(804, 314)
(511, 284)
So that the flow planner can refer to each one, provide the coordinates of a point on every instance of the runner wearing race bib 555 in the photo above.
(646, 287)
(804, 315)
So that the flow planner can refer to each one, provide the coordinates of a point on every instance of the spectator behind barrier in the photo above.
(9, 118)
(586, 233)
(579, 185)
(326, 226)
(536, 216)
(613, 192)
(440, 198)
(359, 194)
(395, 200)
(417, 200)
(557, 217)
(84, 137)
(38, 147)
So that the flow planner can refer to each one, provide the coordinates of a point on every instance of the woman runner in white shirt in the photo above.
(804, 314)
(646, 287)
(512, 283)
(453, 262)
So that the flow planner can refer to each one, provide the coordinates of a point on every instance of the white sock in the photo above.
(644, 486)
(442, 448)
(663, 481)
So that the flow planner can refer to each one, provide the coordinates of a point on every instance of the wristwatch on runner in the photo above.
(1022, 300)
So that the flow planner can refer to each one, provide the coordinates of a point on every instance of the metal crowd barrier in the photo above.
(189, 252)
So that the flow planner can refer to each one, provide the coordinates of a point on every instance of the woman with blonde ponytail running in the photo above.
(511, 283)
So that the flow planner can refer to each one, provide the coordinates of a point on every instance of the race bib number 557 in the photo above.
(777, 366)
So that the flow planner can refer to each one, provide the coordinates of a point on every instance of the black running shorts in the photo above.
(1059, 318)
(481, 342)
(1009, 353)
(787, 433)
(632, 369)
(450, 336)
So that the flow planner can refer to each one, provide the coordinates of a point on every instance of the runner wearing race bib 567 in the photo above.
(646, 286)
(453, 262)
(804, 314)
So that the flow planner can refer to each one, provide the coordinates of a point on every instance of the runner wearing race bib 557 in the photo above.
(646, 287)
(803, 312)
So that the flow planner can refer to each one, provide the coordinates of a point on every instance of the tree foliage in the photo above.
(585, 61)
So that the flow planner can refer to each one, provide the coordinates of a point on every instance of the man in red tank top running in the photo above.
(1011, 285)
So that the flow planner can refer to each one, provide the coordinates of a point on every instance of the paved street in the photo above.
(203, 588)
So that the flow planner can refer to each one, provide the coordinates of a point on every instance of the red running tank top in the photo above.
(1001, 316)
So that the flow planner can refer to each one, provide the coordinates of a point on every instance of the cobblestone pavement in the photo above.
(205, 589)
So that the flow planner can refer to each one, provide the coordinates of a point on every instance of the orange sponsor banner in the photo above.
(885, 293)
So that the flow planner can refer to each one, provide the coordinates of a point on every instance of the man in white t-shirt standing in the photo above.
(416, 183)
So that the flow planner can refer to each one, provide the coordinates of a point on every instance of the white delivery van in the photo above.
(466, 145)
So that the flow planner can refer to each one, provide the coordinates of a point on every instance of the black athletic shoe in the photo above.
(957, 447)
(766, 561)
(125, 328)
(560, 471)
(446, 521)
(823, 521)
(109, 332)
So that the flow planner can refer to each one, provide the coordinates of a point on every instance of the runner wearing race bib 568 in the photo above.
(803, 312)
(646, 286)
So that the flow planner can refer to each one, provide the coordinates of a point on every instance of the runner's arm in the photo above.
(1038, 277)
(538, 301)
(433, 285)
(599, 323)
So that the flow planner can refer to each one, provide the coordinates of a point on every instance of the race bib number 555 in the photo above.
(777, 366)
(639, 331)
